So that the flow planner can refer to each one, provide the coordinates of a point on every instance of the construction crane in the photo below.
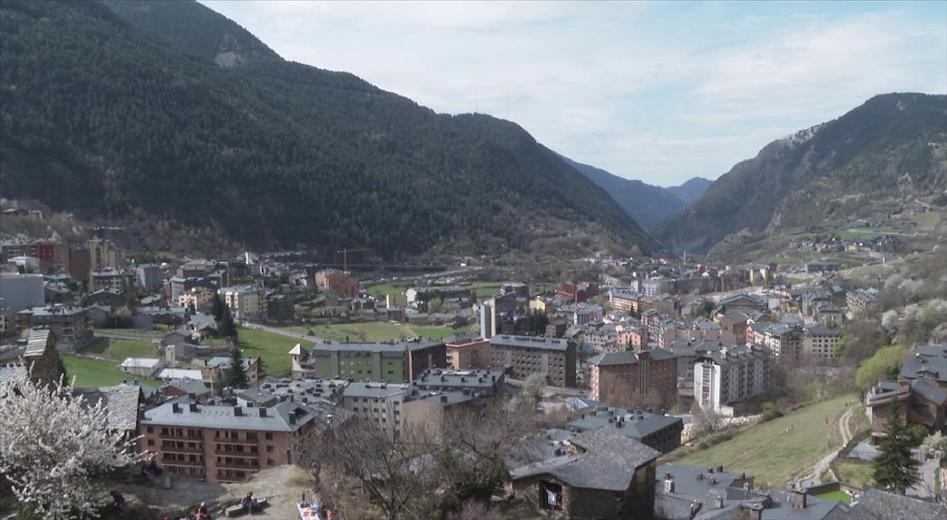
(345, 255)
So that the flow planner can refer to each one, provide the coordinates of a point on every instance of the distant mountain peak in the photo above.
(646, 204)
(690, 189)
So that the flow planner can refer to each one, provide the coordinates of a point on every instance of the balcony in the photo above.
(234, 465)
(183, 463)
(241, 442)
(240, 454)
(175, 449)
(174, 436)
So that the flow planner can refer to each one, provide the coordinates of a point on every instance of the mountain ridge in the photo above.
(833, 170)
(273, 152)
(690, 189)
(646, 204)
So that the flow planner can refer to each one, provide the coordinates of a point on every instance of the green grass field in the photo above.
(854, 473)
(836, 496)
(779, 450)
(380, 290)
(144, 334)
(272, 348)
(482, 289)
(379, 331)
(119, 349)
(94, 372)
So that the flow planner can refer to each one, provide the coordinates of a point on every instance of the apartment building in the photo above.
(69, 324)
(51, 254)
(197, 299)
(104, 254)
(521, 356)
(624, 300)
(394, 362)
(729, 376)
(634, 378)
(405, 409)
(468, 353)
(245, 303)
(110, 278)
(783, 341)
(860, 300)
(820, 344)
(224, 443)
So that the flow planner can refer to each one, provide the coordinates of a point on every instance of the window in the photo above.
(269, 449)
(151, 429)
(268, 436)
(151, 442)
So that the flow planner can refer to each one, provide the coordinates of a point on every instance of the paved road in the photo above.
(823, 465)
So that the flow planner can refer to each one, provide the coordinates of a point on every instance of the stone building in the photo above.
(597, 474)
(634, 378)
(655, 430)
(522, 356)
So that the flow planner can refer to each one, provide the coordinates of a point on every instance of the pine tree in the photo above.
(226, 326)
(238, 375)
(217, 307)
(895, 467)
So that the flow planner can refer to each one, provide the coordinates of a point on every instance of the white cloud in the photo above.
(659, 92)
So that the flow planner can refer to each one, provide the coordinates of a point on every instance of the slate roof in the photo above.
(927, 361)
(697, 489)
(930, 392)
(203, 321)
(877, 503)
(225, 417)
(375, 390)
(122, 402)
(629, 357)
(607, 461)
(636, 424)
(180, 373)
(390, 348)
(190, 386)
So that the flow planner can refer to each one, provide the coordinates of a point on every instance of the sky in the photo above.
(656, 91)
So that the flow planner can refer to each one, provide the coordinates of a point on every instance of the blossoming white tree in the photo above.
(53, 445)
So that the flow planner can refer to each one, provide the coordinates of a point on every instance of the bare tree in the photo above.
(395, 474)
(476, 443)
(706, 420)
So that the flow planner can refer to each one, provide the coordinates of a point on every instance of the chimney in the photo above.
(669, 486)
(292, 417)
(237, 411)
(798, 499)
(718, 502)
(175, 408)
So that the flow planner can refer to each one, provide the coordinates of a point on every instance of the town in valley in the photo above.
(235, 285)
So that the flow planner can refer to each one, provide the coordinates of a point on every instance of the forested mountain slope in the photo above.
(112, 113)
(891, 148)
